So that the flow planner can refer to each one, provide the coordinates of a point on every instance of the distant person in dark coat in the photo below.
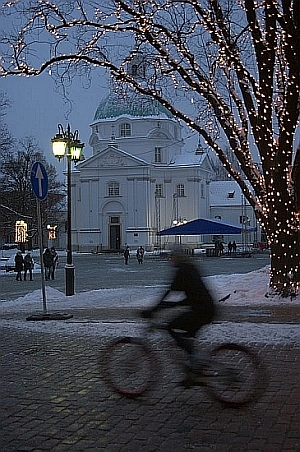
(19, 265)
(140, 254)
(55, 261)
(28, 265)
(126, 254)
(234, 247)
(48, 263)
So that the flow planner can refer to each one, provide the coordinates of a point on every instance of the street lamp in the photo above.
(66, 144)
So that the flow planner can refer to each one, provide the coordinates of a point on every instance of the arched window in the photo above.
(180, 190)
(125, 129)
(113, 189)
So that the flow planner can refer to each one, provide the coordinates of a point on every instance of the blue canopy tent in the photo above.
(206, 226)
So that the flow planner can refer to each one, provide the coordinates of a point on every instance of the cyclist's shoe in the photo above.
(147, 313)
(193, 379)
(196, 362)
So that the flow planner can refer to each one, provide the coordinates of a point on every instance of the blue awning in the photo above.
(206, 226)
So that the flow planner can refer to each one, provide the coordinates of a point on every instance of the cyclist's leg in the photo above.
(183, 329)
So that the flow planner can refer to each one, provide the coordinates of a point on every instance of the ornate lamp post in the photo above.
(66, 144)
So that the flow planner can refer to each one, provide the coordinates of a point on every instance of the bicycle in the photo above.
(231, 373)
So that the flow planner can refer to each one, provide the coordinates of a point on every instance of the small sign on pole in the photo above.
(39, 180)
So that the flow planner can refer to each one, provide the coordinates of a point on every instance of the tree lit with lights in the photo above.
(227, 69)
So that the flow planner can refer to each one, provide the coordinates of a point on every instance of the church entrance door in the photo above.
(114, 236)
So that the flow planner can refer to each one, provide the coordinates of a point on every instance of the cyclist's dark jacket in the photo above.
(188, 279)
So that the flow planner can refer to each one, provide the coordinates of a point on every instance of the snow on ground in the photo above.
(245, 290)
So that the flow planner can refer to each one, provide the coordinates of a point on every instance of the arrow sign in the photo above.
(39, 180)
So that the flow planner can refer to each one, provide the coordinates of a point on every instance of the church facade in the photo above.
(139, 179)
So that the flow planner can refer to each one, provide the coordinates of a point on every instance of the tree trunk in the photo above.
(285, 252)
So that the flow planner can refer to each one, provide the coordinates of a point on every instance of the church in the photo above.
(139, 179)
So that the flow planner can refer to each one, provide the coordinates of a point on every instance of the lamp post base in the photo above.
(70, 273)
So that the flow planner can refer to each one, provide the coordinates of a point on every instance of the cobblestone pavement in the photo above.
(53, 398)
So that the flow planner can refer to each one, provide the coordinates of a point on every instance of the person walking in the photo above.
(28, 265)
(126, 255)
(48, 263)
(234, 247)
(55, 261)
(19, 265)
(140, 254)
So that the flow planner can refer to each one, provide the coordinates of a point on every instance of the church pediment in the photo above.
(112, 157)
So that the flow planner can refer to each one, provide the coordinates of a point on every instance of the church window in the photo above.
(202, 191)
(180, 190)
(125, 130)
(134, 70)
(113, 189)
(114, 220)
(159, 190)
(157, 155)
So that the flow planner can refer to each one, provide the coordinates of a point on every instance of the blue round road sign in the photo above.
(39, 180)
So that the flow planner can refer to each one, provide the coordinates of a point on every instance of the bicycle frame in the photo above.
(230, 372)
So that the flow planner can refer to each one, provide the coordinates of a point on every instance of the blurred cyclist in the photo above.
(198, 301)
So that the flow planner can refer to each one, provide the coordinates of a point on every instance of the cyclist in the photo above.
(199, 305)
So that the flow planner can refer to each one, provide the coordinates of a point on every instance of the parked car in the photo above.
(10, 246)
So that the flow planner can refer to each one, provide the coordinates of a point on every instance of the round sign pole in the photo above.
(40, 235)
(39, 183)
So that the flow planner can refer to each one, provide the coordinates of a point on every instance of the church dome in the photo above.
(136, 105)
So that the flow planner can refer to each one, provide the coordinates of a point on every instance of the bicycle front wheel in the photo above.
(233, 375)
(129, 366)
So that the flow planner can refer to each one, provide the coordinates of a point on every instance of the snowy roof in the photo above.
(225, 193)
(188, 158)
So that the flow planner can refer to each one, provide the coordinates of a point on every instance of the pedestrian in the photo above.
(28, 265)
(217, 248)
(229, 248)
(55, 261)
(19, 265)
(48, 263)
(199, 307)
(221, 249)
(126, 254)
(234, 247)
(140, 254)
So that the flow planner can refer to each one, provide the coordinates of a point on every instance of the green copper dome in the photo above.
(137, 105)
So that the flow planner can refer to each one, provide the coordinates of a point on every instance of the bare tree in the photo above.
(17, 198)
(6, 140)
(228, 69)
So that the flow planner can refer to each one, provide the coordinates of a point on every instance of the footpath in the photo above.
(53, 397)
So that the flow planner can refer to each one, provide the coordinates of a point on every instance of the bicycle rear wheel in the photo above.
(129, 366)
(233, 375)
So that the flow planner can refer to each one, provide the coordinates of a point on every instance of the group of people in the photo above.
(219, 248)
(231, 247)
(50, 261)
(139, 254)
(25, 264)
